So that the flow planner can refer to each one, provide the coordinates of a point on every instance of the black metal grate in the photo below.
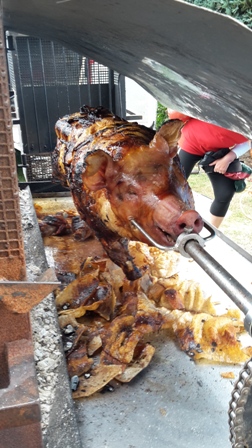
(39, 167)
(50, 81)
(93, 73)
(46, 63)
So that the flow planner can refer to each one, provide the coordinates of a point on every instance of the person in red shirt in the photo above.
(198, 138)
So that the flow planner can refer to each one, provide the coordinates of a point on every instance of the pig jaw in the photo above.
(163, 224)
(168, 219)
(162, 219)
(169, 225)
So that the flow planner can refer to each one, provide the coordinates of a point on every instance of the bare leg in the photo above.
(216, 220)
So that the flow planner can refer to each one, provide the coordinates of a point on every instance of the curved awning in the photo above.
(187, 57)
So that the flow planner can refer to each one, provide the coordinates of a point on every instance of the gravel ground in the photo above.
(45, 336)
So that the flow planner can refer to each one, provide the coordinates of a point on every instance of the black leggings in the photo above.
(223, 187)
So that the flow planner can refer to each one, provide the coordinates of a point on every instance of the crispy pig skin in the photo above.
(95, 129)
(99, 156)
(109, 342)
(78, 362)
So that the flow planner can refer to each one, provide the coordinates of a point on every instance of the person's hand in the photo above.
(221, 165)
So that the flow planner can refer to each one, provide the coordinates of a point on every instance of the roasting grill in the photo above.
(178, 367)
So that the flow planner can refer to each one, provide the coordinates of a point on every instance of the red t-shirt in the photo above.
(198, 137)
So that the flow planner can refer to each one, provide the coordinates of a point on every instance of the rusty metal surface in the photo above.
(21, 297)
(187, 57)
(19, 437)
(12, 260)
(13, 327)
(19, 403)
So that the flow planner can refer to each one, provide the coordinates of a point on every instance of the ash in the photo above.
(47, 355)
(46, 335)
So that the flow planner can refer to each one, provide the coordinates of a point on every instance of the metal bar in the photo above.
(111, 90)
(191, 244)
(121, 95)
(99, 85)
(55, 75)
(20, 97)
(182, 239)
(80, 80)
(89, 80)
(29, 53)
(66, 77)
(45, 91)
(232, 244)
(237, 293)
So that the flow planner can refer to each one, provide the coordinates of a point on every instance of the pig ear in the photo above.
(171, 132)
(99, 169)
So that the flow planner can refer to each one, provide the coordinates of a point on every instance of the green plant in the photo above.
(240, 10)
(161, 115)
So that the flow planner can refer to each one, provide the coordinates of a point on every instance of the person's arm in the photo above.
(241, 148)
(221, 165)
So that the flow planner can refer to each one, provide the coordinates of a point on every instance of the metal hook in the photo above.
(183, 238)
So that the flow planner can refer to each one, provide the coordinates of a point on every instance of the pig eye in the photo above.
(157, 167)
(140, 177)
(132, 192)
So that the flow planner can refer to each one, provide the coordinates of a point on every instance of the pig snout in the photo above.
(189, 219)
(170, 221)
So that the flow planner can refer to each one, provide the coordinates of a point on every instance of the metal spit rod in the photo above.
(191, 245)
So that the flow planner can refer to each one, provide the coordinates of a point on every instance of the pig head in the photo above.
(118, 171)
